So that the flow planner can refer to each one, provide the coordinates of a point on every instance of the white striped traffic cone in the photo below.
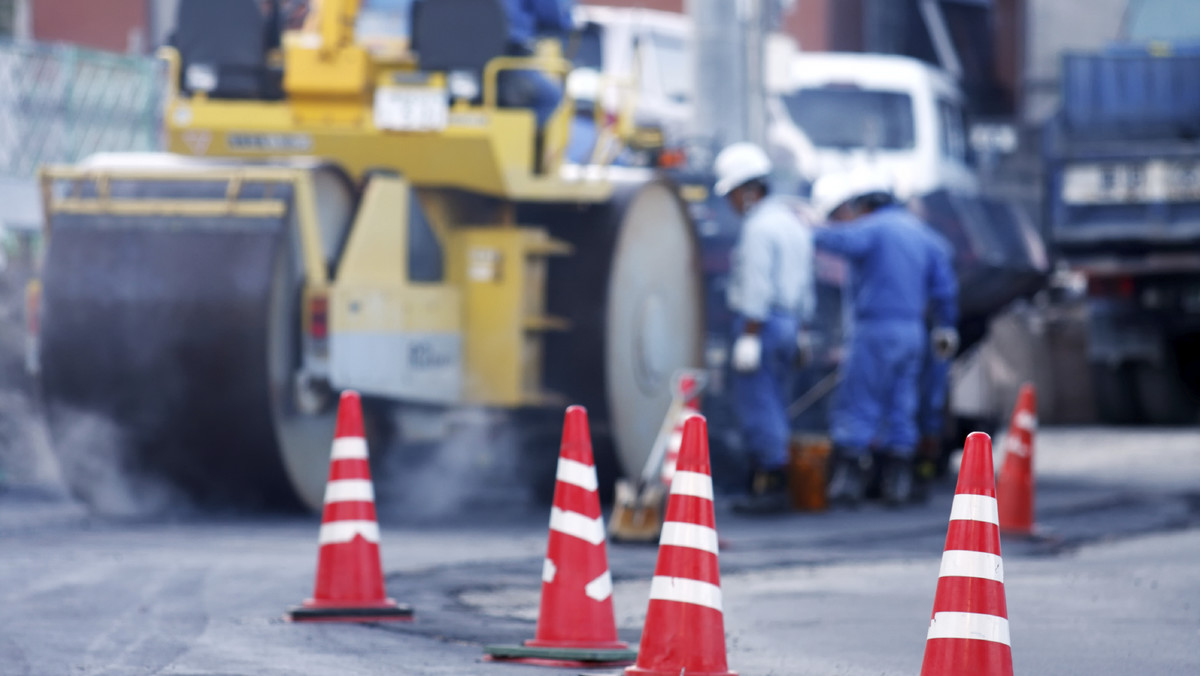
(684, 631)
(1015, 487)
(689, 393)
(968, 633)
(576, 625)
(349, 585)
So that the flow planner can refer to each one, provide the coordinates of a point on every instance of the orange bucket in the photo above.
(807, 471)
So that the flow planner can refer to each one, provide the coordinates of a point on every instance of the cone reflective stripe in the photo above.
(689, 392)
(349, 582)
(685, 624)
(1015, 488)
(576, 624)
(968, 631)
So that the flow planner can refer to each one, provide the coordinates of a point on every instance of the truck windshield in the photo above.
(836, 117)
(1167, 20)
(674, 67)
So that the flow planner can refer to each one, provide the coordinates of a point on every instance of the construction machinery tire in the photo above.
(633, 292)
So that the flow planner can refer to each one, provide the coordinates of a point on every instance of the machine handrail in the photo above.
(493, 68)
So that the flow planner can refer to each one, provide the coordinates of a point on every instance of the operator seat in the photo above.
(463, 35)
(231, 39)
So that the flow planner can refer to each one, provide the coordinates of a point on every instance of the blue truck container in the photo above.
(1123, 196)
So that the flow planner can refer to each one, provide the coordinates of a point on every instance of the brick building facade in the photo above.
(112, 25)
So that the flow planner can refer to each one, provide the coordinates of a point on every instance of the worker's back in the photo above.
(892, 279)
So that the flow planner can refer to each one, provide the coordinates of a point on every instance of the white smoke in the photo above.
(453, 464)
(95, 460)
(86, 457)
(26, 458)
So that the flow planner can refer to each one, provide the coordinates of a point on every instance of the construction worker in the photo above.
(933, 388)
(900, 269)
(772, 297)
(528, 20)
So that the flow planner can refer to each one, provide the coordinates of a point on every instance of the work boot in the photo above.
(768, 494)
(924, 472)
(848, 479)
(897, 480)
(929, 459)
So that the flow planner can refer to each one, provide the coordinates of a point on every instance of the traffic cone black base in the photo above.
(576, 625)
(566, 658)
(382, 614)
(349, 582)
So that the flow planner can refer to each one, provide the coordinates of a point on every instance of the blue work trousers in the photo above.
(935, 381)
(529, 89)
(760, 397)
(877, 398)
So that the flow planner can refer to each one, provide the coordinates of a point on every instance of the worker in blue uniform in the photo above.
(772, 297)
(934, 389)
(527, 21)
(900, 269)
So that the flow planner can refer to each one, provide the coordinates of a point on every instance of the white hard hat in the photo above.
(583, 84)
(737, 164)
(833, 190)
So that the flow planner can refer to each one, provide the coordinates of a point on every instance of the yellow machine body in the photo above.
(328, 301)
(484, 322)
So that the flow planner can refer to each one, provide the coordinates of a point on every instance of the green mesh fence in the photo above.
(59, 104)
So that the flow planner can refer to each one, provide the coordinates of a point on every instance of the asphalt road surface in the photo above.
(1112, 587)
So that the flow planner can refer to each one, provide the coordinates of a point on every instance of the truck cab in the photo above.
(838, 111)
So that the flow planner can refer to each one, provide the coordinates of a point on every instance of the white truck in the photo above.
(839, 111)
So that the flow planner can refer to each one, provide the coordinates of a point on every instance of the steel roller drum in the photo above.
(634, 293)
(181, 334)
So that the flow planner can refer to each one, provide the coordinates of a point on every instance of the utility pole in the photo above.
(729, 68)
(720, 94)
(752, 21)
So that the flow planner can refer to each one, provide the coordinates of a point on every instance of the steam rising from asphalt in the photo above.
(25, 455)
(466, 464)
(88, 452)
(94, 456)
(469, 464)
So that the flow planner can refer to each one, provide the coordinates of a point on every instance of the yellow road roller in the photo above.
(334, 215)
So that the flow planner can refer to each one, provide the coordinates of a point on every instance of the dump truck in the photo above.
(335, 215)
(1123, 193)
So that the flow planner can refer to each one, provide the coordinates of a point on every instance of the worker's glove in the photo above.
(747, 353)
(804, 348)
(945, 342)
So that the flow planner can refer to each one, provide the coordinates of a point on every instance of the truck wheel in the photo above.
(1164, 397)
(1116, 398)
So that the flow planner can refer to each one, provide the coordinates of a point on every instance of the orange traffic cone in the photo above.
(968, 633)
(576, 625)
(349, 586)
(1015, 489)
(685, 624)
(689, 392)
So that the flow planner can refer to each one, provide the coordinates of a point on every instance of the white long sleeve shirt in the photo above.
(772, 264)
